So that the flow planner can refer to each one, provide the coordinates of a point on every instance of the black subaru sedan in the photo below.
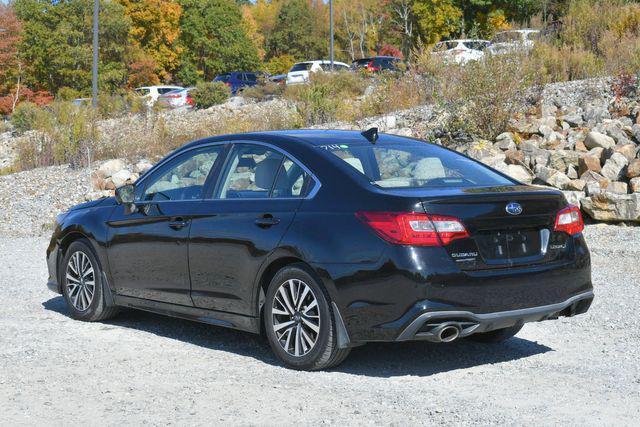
(326, 240)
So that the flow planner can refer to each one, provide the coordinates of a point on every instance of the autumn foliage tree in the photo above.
(10, 68)
(155, 27)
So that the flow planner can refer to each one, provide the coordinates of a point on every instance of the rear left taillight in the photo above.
(414, 229)
(569, 220)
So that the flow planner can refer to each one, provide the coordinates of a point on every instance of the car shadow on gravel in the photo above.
(375, 359)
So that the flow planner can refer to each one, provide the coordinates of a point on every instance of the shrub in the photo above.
(67, 94)
(327, 97)
(263, 91)
(207, 94)
(482, 96)
(25, 116)
(394, 93)
(280, 64)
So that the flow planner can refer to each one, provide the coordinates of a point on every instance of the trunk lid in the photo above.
(499, 238)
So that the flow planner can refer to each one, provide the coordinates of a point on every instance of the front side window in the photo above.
(301, 66)
(185, 177)
(415, 165)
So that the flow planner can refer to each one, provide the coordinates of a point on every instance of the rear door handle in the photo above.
(267, 220)
(178, 223)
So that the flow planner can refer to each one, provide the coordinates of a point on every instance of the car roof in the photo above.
(309, 137)
(320, 61)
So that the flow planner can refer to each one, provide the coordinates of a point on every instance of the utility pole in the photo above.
(94, 77)
(331, 31)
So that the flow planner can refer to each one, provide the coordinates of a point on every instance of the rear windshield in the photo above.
(302, 66)
(415, 165)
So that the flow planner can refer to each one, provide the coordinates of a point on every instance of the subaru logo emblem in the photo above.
(514, 208)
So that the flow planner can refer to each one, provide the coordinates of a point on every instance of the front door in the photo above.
(254, 203)
(148, 248)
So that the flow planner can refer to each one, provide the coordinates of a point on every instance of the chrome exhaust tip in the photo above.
(448, 333)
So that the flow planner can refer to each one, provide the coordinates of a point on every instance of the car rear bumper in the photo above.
(427, 324)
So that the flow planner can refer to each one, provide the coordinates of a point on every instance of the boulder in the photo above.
(505, 141)
(612, 207)
(572, 172)
(595, 114)
(573, 197)
(142, 166)
(617, 187)
(633, 169)
(517, 172)
(514, 157)
(614, 167)
(634, 185)
(596, 139)
(589, 163)
(627, 150)
(573, 119)
(552, 177)
(592, 187)
(111, 167)
(121, 178)
(591, 176)
(576, 185)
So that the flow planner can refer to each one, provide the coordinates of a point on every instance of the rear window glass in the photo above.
(302, 66)
(477, 45)
(415, 165)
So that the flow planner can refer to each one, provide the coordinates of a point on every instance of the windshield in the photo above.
(302, 66)
(415, 165)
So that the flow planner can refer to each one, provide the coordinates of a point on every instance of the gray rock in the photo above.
(614, 167)
(505, 142)
(606, 206)
(120, 178)
(596, 114)
(573, 119)
(617, 187)
(592, 187)
(633, 169)
(634, 185)
(596, 139)
(552, 177)
(573, 197)
(572, 172)
(517, 172)
(577, 185)
(111, 167)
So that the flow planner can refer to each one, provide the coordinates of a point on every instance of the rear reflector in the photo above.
(414, 229)
(569, 220)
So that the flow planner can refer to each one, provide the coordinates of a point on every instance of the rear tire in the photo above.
(497, 336)
(299, 321)
(82, 284)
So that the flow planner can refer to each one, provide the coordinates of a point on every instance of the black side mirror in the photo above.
(126, 194)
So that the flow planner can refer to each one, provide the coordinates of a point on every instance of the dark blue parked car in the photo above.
(238, 80)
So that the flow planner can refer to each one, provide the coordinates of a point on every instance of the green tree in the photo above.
(294, 33)
(437, 19)
(213, 40)
(57, 43)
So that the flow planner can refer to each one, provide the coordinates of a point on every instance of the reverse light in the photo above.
(414, 229)
(569, 220)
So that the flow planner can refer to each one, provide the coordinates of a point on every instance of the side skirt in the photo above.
(216, 318)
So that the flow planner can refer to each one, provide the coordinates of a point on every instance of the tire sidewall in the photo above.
(97, 293)
(309, 360)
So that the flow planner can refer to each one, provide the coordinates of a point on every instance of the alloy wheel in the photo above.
(81, 281)
(296, 317)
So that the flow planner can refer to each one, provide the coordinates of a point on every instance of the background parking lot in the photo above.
(142, 368)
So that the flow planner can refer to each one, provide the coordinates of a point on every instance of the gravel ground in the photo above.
(146, 369)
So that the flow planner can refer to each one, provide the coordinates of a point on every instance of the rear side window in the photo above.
(415, 165)
(250, 173)
(302, 66)
(292, 181)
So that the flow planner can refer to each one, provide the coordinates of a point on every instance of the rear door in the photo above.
(239, 225)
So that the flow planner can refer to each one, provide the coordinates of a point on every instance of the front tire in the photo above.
(497, 336)
(82, 284)
(299, 321)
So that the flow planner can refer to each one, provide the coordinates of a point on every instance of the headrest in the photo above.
(266, 172)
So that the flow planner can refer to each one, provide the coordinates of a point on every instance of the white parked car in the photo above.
(177, 98)
(513, 41)
(299, 73)
(460, 51)
(152, 93)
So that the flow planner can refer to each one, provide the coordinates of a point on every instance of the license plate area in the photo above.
(512, 246)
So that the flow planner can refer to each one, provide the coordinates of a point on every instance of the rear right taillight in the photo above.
(569, 220)
(414, 229)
